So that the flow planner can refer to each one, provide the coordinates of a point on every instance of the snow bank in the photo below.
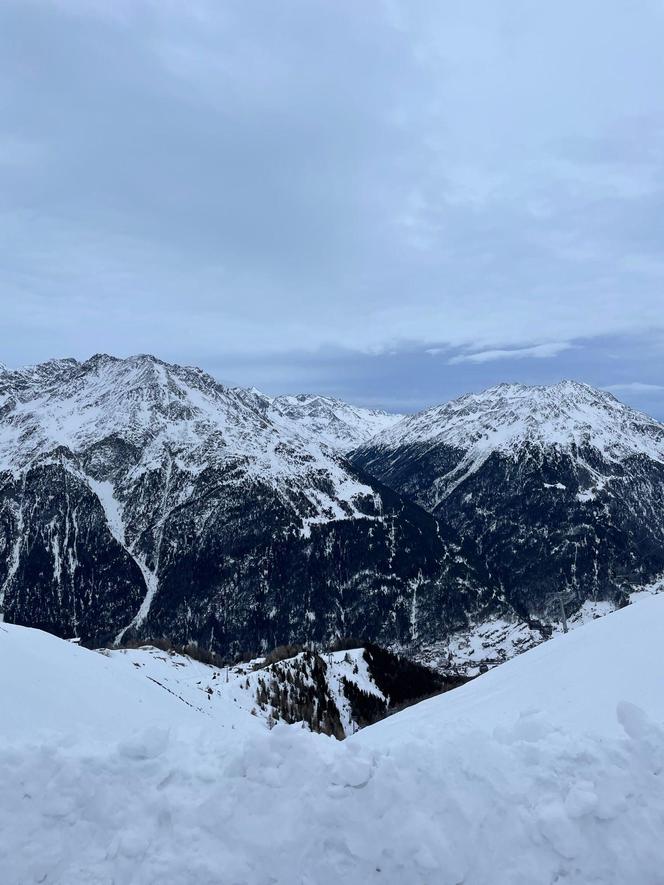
(49, 687)
(547, 769)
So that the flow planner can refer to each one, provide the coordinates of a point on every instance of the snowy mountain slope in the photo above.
(495, 640)
(269, 692)
(52, 687)
(586, 673)
(334, 692)
(329, 420)
(547, 769)
(142, 498)
(561, 487)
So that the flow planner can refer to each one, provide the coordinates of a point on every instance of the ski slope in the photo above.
(548, 769)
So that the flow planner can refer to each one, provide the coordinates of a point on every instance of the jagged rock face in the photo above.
(560, 488)
(140, 498)
(61, 569)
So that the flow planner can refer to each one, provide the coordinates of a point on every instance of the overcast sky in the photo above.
(392, 201)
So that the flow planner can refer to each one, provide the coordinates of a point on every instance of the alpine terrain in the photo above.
(560, 488)
(338, 424)
(141, 499)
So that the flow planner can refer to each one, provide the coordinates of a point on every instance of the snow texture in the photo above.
(545, 770)
(505, 417)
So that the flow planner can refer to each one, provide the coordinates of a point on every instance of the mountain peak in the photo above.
(507, 416)
(339, 424)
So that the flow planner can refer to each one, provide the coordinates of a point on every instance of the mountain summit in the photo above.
(143, 498)
(560, 487)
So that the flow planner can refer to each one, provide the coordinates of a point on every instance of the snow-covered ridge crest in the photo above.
(140, 432)
(157, 407)
(506, 417)
(331, 421)
(337, 423)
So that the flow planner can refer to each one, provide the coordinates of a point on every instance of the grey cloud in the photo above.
(263, 185)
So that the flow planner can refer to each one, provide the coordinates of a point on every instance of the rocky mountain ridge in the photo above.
(139, 498)
(560, 488)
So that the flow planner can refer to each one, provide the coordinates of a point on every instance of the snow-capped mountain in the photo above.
(331, 421)
(334, 422)
(138, 497)
(561, 488)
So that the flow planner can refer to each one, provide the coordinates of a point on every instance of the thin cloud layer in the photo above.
(635, 387)
(538, 351)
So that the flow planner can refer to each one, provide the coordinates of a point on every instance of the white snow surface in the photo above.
(50, 688)
(507, 416)
(339, 424)
(548, 769)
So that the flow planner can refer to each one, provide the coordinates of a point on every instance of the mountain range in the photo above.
(140, 499)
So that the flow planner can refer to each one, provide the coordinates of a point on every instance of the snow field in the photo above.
(529, 804)
(548, 769)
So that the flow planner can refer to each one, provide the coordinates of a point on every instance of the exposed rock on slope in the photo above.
(143, 498)
(560, 488)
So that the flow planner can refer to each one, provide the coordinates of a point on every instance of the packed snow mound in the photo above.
(546, 770)
(507, 416)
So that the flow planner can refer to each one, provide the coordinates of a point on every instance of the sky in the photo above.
(393, 202)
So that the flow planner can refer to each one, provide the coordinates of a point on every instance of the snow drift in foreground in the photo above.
(546, 769)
